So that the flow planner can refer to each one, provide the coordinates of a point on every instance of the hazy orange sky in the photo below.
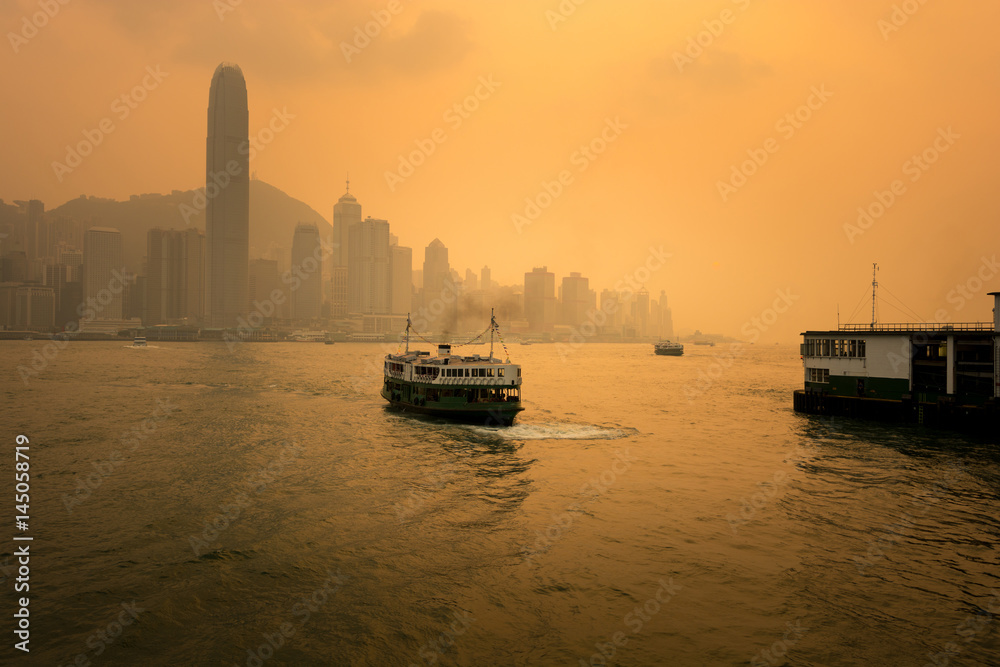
(884, 85)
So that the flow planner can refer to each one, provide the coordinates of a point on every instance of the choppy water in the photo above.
(677, 505)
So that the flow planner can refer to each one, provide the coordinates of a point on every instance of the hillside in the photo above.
(273, 216)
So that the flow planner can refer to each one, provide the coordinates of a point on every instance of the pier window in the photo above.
(818, 374)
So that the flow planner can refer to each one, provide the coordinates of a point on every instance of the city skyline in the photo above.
(826, 139)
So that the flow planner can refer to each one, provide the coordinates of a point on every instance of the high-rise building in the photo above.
(338, 292)
(576, 299)
(471, 280)
(264, 281)
(666, 319)
(57, 276)
(485, 278)
(73, 259)
(35, 307)
(401, 277)
(227, 190)
(175, 288)
(368, 280)
(437, 272)
(102, 272)
(36, 230)
(346, 213)
(307, 267)
(540, 299)
(641, 312)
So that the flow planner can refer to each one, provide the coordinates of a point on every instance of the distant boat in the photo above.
(705, 342)
(328, 338)
(525, 342)
(139, 341)
(461, 388)
(669, 349)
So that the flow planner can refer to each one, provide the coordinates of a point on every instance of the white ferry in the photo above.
(465, 388)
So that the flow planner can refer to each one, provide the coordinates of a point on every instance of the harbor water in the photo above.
(193, 504)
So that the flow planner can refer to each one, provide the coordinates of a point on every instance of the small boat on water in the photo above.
(665, 347)
(472, 388)
(139, 341)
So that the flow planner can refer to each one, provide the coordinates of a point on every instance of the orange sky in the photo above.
(886, 95)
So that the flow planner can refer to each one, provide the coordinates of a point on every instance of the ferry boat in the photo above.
(472, 388)
(669, 349)
(139, 341)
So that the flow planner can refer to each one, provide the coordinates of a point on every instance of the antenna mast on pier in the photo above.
(874, 290)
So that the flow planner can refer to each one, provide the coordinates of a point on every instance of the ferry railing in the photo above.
(956, 326)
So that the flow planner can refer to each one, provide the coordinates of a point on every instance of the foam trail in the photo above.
(556, 431)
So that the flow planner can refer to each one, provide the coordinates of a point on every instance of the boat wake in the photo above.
(564, 431)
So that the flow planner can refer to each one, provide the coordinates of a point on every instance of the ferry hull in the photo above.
(487, 414)
(670, 352)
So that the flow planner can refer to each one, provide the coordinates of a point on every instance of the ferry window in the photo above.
(518, 372)
(824, 348)
(489, 372)
(500, 372)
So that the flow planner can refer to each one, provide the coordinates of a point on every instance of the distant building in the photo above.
(36, 230)
(306, 291)
(174, 284)
(485, 278)
(34, 307)
(103, 268)
(540, 299)
(666, 320)
(368, 279)
(338, 292)
(227, 190)
(576, 299)
(401, 272)
(346, 214)
(640, 312)
(268, 296)
(436, 272)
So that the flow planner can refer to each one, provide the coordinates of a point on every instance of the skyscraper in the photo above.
(368, 287)
(540, 299)
(102, 272)
(346, 213)
(227, 189)
(307, 293)
(175, 287)
(576, 299)
(485, 278)
(436, 270)
(401, 278)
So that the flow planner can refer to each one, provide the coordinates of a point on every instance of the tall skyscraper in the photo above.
(307, 294)
(264, 282)
(102, 272)
(401, 279)
(666, 319)
(368, 286)
(175, 287)
(36, 230)
(485, 278)
(540, 299)
(346, 213)
(227, 189)
(436, 270)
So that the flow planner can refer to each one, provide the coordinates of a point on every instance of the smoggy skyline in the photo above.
(741, 137)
